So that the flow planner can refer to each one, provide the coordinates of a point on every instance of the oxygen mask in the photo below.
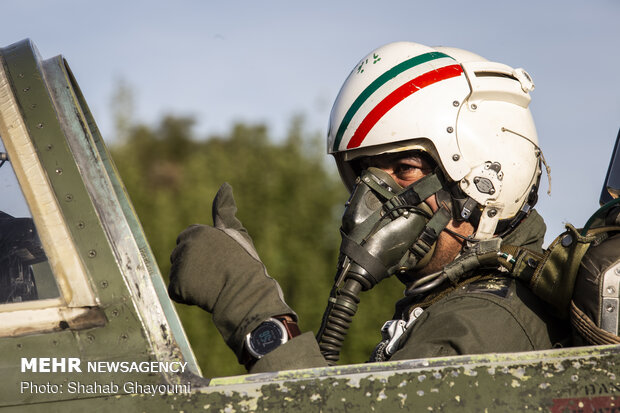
(381, 222)
(386, 230)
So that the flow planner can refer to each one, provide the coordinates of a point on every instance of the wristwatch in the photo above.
(269, 335)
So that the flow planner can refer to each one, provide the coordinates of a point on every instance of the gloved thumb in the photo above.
(224, 212)
(224, 209)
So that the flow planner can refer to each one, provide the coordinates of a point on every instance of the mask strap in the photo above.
(380, 182)
(422, 189)
(373, 266)
(431, 232)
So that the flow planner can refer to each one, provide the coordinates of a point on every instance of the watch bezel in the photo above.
(248, 338)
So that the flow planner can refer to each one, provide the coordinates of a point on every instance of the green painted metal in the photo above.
(122, 331)
(54, 118)
(98, 144)
(558, 380)
(66, 138)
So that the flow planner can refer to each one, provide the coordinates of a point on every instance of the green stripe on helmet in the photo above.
(377, 83)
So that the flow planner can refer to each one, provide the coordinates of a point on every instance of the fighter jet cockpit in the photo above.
(25, 274)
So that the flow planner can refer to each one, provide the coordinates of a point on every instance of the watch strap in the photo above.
(291, 326)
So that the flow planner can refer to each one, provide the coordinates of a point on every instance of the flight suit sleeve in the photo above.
(476, 323)
(299, 353)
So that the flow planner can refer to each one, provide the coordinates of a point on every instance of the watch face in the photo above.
(266, 337)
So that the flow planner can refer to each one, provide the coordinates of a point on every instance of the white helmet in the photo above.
(469, 114)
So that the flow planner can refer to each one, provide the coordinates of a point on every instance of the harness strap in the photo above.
(551, 276)
(482, 255)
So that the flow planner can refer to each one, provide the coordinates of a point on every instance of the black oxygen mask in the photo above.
(386, 230)
(381, 219)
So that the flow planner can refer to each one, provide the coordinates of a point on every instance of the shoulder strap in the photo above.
(551, 276)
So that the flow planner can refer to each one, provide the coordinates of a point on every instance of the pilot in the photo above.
(440, 153)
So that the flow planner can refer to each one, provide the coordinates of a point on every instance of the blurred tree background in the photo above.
(289, 197)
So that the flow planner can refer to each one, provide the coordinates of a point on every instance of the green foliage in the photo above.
(289, 200)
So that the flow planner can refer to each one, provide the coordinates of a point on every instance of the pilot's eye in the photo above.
(408, 170)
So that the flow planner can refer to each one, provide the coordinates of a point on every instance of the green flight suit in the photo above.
(490, 315)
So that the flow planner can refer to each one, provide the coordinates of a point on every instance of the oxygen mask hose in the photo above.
(384, 231)
(338, 316)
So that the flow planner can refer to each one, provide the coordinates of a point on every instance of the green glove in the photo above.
(219, 270)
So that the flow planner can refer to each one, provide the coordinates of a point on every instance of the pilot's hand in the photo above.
(219, 270)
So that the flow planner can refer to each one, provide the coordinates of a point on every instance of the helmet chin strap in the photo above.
(485, 220)
(463, 207)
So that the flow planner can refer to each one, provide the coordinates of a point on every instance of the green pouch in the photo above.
(551, 276)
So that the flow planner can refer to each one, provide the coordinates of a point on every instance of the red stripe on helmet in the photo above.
(398, 96)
